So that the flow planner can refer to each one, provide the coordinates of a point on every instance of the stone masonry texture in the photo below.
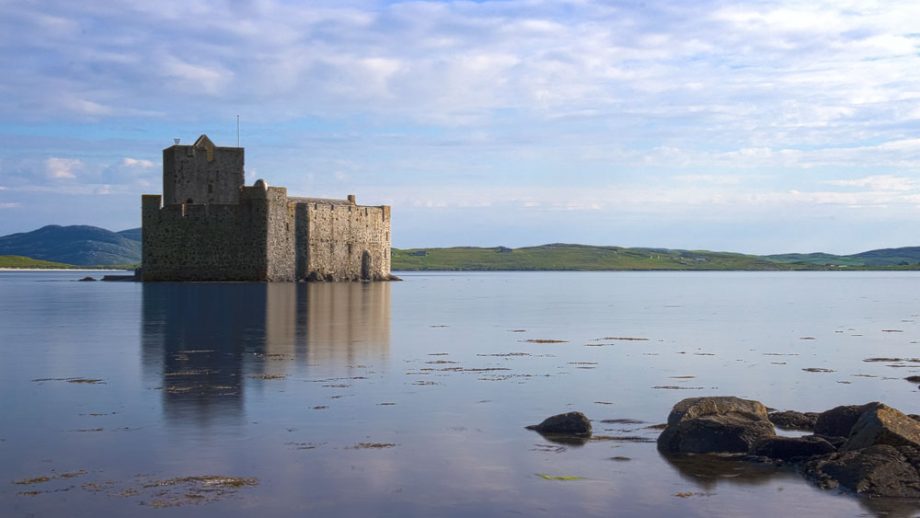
(209, 226)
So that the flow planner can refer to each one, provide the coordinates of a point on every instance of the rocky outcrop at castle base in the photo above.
(872, 449)
(320, 277)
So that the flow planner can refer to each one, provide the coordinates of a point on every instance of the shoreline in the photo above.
(9, 269)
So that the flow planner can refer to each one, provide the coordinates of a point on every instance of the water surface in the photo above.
(410, 399)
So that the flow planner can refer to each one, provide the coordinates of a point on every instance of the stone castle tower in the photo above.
(209, 226)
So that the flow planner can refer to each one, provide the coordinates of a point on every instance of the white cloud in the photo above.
(195, 79)
(62, 168)
(85, 107)
(879, 183)
(138, 163)
(709, 179)
(9, 205)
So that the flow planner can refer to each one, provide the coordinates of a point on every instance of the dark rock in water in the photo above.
(715, 425)
(120, 278)
(573, 424)
(792, 420)
(878, 471)
(87, 279)
(915, 417)
(881, 424)
(789, 448)
(838, 421)
(836, 442)
(913, 379)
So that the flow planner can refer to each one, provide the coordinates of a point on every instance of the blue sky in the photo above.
(757, 126)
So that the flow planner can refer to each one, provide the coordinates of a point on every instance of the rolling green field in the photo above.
(18, 261)
(580, 257)
(566, 257)
(27, 263)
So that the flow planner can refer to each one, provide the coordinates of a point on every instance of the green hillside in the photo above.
(817, 259)
(886, 257)
(18, 261)
(579, 257)
(76, 244)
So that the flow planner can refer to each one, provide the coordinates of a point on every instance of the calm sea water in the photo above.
(410, 399)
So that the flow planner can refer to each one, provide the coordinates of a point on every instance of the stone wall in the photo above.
(204, 242)
(346, 241)
(203, 173)
(280, 236)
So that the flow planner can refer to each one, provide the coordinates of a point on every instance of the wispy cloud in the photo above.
(137, 162)
(885, 182)
(62, 168)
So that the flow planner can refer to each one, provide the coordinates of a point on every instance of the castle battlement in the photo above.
(209, 226)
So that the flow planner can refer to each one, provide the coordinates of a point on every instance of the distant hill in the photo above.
(885, 257)
(580, 257)
(78, 245)
(131, 233)
(93, 246)
(890, 256)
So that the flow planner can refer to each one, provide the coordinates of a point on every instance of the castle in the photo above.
(209, 226)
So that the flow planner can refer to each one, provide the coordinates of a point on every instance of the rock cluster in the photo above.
(871, 449)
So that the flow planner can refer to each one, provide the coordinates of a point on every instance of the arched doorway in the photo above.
(366, 266)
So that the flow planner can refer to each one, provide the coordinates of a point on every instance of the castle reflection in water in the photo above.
(202, 342)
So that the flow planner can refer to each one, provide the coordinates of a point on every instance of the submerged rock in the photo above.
(715, 425)
(792, 420)
(573, 424)
(879, 471)
(881, 424)
(88, 278)
(790, 448)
